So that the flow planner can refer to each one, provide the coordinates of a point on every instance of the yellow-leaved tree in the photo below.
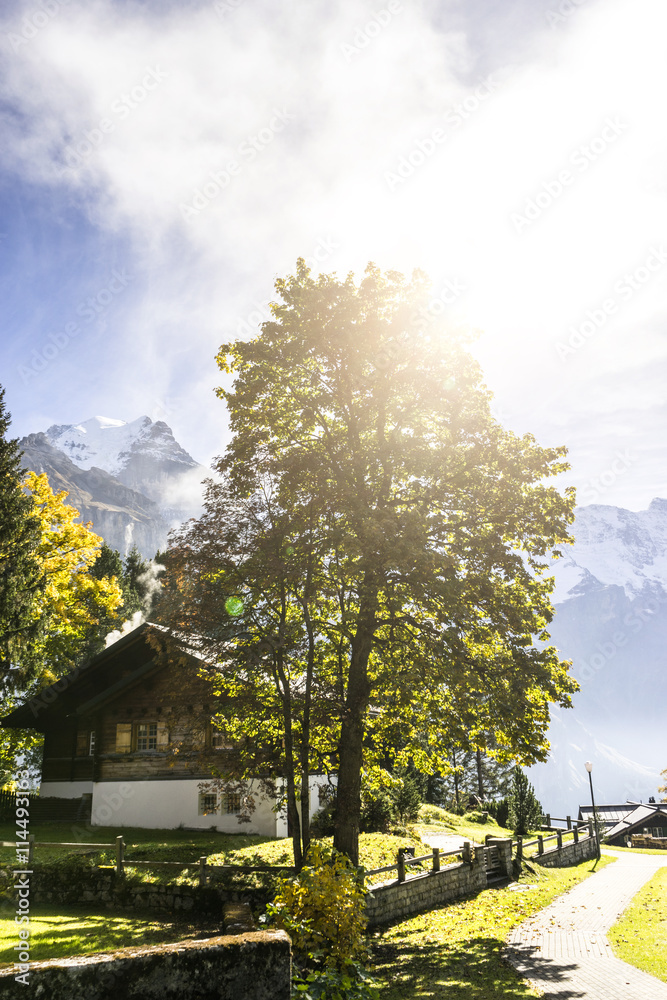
(72, 608)
(74, 603)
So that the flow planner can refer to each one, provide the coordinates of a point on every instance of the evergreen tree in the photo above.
(21, 576)
(525, 812)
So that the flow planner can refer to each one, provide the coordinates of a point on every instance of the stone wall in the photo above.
(569, 854)
(102, 888)
(253, 966)
(394, 900)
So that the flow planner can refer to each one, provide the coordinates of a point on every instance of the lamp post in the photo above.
(589, 768)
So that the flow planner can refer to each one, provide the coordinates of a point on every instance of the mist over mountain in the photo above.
(132, 480)
(611, 621)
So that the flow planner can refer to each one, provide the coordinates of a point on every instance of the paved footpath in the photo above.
(563, 950)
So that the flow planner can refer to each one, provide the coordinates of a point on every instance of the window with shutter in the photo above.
(123, 737)
(162, 736)
(147, 736)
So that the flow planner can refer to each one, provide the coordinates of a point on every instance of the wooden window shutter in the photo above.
(82, 743)
(123, 737)
(162, 736)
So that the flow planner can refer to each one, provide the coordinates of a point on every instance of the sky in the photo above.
(163, 163)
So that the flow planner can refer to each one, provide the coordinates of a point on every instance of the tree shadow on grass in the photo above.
(477, 971)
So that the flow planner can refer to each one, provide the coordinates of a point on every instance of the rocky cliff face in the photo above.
(132, 480)
(611, 621)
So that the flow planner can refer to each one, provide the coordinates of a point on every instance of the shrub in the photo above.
(477, 816)
(500, 811)
(525, 812)
(323, 911)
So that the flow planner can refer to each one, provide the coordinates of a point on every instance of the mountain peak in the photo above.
(112, 444)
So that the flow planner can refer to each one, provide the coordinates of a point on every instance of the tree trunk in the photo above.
(351, 748)
(480, 776)
(456, 782)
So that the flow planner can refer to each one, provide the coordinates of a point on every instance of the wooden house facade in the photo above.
(135, 734)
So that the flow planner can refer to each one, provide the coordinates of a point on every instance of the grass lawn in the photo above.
(456, 952)
(59, 932)
(640, 936)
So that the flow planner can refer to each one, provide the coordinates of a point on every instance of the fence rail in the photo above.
(401, 866)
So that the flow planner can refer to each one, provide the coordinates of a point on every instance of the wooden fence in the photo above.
(122, 861)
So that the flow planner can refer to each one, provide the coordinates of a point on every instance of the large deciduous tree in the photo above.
(429, 527)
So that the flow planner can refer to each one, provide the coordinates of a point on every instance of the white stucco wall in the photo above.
(155, 805)
(65, 789)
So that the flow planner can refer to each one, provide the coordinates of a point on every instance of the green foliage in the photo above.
(21, 576)
(375, 539)
(352, 983)
(499, 809)
(477, 816)
(525, 812)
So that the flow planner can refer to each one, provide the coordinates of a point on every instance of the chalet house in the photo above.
(132, 737)
(647, 818)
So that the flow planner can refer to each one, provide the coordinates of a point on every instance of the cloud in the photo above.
(277, 127)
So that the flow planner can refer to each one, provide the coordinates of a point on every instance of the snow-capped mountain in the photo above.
(132, 480)
(611, 621)
(614, 547)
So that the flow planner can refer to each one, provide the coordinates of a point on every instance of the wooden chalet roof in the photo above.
(640, 816)
(121, 665)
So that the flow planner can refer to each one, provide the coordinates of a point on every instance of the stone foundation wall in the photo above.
(394, 900)
(253, 966)
(104, 889)
(569, 854)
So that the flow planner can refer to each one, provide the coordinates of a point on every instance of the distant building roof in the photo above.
(610, 815)
(638, 817)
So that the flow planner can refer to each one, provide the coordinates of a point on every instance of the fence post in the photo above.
(400, 864)
(568, 820)
(559, 840)
(549, 820)
(361, 875)
(119, 855)
(590, 828)
(436, 859)
(202, 870)
(575, 833)
(31, 847)
(519, 849)
(540, 844)
(467, 852)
